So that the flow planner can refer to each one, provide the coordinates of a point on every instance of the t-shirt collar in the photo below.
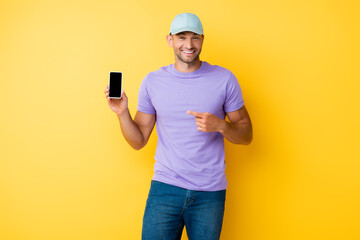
(189, 74)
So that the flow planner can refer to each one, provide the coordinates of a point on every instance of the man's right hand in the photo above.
(137, 131)
(118, 106)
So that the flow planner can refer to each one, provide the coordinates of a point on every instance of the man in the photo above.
(188, 101)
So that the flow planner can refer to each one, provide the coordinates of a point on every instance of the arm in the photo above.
(238, 130)
(136, 132)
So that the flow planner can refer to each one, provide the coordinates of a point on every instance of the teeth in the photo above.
(188, 51)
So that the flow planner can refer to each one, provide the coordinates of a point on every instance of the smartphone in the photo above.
(115, 84)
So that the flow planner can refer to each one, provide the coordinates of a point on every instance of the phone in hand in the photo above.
(115, 85)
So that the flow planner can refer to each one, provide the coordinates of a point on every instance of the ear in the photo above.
(169, 40)
(203, 37)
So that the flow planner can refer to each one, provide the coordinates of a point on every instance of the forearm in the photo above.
(130, 130)
(238, 133)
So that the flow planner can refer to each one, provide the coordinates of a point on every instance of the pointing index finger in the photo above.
(195, 114)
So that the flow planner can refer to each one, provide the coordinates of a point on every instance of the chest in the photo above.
(173, 98)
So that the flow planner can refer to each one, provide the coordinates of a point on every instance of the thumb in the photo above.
(123, 95)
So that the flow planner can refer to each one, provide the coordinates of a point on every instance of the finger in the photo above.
(200, 125)
(201, 129)
(123, 95)
(195, 114)
(200, 120)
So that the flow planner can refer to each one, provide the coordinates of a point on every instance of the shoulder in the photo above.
(153, 76)
(218, 69)
(162, 71)
(225, 74)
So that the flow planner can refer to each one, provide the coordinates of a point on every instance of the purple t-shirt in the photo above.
(186, 157)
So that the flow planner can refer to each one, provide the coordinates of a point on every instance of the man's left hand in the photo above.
(207, 122)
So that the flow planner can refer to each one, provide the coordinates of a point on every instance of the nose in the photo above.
(188, 43)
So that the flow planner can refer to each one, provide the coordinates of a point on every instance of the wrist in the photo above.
(223, 126)
(122, 112)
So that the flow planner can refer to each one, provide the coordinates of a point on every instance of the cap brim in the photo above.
(187, 29)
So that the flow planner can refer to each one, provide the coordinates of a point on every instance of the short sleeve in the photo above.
(144, 100)
(234, 99)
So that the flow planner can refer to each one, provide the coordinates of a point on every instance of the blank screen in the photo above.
(115, 84)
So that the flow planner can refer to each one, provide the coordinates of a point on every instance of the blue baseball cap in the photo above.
(186, 22)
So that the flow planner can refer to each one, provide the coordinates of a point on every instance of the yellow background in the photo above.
(66, 172)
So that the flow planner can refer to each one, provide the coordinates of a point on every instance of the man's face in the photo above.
(187, 46)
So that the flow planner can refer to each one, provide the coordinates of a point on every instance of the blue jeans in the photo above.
(170, 208)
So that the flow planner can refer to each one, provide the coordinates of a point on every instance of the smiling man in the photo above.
(188, 101)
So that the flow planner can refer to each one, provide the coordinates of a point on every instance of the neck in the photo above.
(187, 67)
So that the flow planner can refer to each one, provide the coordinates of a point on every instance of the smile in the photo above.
(188, 51)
